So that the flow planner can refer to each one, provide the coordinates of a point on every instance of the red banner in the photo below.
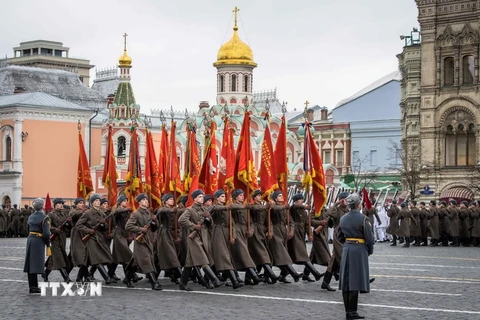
(209, 176)
(162, 161)
(366, 199)
(280, 156)
(173, 172)
(110, 176)
(268, 176)
(152, 185)
(133, 186)
(84, 179)
(246, 175)
(193, 167)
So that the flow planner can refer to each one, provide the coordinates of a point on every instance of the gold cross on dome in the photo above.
(125, 41)
(235, 11)
(306, 104)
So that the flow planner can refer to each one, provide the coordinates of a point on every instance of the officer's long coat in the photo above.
(35, 253)
(278, 243)
(166, 247)
(297, 248)
(258, 243)
(196, 247)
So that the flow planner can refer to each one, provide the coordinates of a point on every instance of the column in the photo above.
(17, 145)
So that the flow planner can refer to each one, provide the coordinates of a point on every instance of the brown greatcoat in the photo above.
(197, 250)
(475, 214)
(335, 213)
(78, 251)
(415, 230)
(320, 253)
(433, 222)
(372, 212)
(241, 257)
(143, 253)
(423, 216)
(454, 222)
(404, 218)
(258, 243)
(166, 247)
(98, 251)
(121, 252)
(443, 221)
(393, 213)
(3, 220)
(297, 248)
(59, 258)
(221, 249)
(278, 243)
(182, 247)
(464, 217)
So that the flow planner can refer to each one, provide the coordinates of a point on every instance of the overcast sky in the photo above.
(320, 50)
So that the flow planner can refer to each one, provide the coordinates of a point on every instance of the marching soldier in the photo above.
(59, 260)
(392, 228)
(262, 233)
(404, 219)
(142, 223)
(77, 247)
(334, 214)
(92, 222)
(320, 252)
(356, 233)
(191, 221)
(444, 223)
(372, 212)
(15, 221)
(454, 222)
(415, 231)
(433, 223)
(424, 216)
(297, 247)
(475, 213)
(464, 217)
(38, 237)
(3, 222)
(24, 214)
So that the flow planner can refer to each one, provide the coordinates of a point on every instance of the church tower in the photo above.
(235, 70)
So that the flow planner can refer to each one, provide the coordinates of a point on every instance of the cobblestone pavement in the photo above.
(411, 283)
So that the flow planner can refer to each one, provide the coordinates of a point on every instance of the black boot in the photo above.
(238, 276)
(211, 275)
(111, 271)
(269, 274)
(197, 274)
(253, 276)
(104, 274)
(346, 303)
(82, 273)
(176, 274)
(353, 305)
(407, 242)
(91, 273)
(45, 275)
(184, 279)
(283, 274)
(306, 275)
(233, 278)
(153, 281)
(293, 273)
(326, 281)
(65, 276)
(33, 283)
(394, 241)
(309, 266)
(129, 273)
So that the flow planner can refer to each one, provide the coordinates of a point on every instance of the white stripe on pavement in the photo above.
(7, 268)
(287, 299)
(7, 247)
(427, 257)
(448, 281)
(401, 269)
(421, 265)
(419, 292)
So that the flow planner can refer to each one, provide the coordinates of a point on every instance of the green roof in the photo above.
(124, 95)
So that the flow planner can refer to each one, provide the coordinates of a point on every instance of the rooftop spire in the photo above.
(125, 35)
(235, 11)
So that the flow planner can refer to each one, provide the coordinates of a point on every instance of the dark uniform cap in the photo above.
(66, 207)
(474, 203)
(394, 201)
(218, 193)
(197, 193)
(422, 203)
(121, 199)
(183, 199)
(167, 197)
(453, 201)
(443, 202)
(256, 193)
(433, 202)
(465, 203)
(275, 194)
(343, 195)
(78, 200)
(403, 205)
(94, 197)
(57, 201)
(207, 197)
(140, 197)
(103, 200)
(236, 193)
(297, 196)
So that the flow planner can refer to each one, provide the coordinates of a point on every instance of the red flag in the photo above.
(162, 160)
(246, 176)
(152, 185)
(280, 157)
(313, 172)
(208, 176)
(48, 203)
(133, 185)
(84, 179)
(193, 167)
(226, 163)
(366, 199)
(109, 178)
(173, 172)
(268, 176)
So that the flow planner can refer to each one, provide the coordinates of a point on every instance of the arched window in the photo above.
(234, 83)
(245, 83)
(460, 146)
(448, 71)
(8, 149)
(222, 83)
(468, 69)
(121, 146)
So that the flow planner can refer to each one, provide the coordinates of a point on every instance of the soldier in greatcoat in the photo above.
(191, 221)
(454, 222)
(142, 222)
(297, 248)
(404, 221)
(373, 213)
(3, 222)
(23, 220)
(283, 229)
(15, 221)
(93, 222)
(433, 223)
(423, 216)
(415, 231)
(223, 237)
(392, 228)
(444, 223)
(59, 223)
(475, 214)
(240, 254)
(334, 214)
(355, 232)
(78, 252)
(38, 237)
(320, 252)
(262, 233)
(464, 218)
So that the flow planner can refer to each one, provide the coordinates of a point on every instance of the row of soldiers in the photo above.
(208, 242)
(13, 222)
(445, 223)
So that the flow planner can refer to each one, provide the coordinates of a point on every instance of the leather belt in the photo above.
(38, 234)
(355, 240)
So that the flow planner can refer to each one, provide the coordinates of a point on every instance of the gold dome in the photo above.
(125, 61)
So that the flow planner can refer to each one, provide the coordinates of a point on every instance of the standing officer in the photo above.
(392, 228)
(77, 247)
(355, 232)
(38, 237)
(404, 218)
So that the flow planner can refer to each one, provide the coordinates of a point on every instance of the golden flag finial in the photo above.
(125, 35)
